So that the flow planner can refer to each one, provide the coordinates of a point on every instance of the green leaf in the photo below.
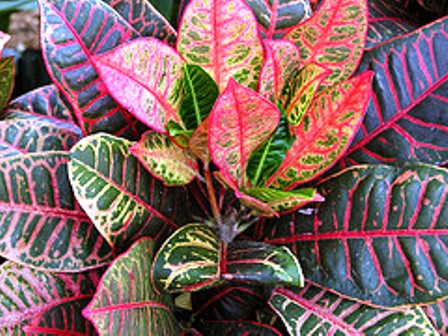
(165, 160)
(315, 311)
(178, 134)
(246, 328)
(6, 80)
(123, 200)
(200, 93)
(438, 314)
(126, 302)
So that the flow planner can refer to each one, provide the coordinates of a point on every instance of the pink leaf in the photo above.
(4, 38)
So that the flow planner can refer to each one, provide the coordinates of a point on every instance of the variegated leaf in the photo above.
(123, 200)
(144, 76)
(383, 29)
(438, 315)
(241, 121)
(325, 132)
(165, 160)
(222, 37)
(334, 37)
(41, 225)
(25, 293)
(315, 311)
(6, 80)
(276, 17)
(246, 328)
(198, 143)
(126, 301)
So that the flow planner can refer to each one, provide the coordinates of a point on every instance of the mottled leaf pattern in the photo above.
(438, 315)
(6, 80)
(315, 311)
(222, 37)
(123, 200)
(144, 76)
(334, 37)
(325, 132)
(383, 29)
(165, 160)
(25, 293)
(126, 302)
(41, 225)
(241, 121)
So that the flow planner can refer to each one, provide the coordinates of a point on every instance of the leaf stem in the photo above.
(212, 196)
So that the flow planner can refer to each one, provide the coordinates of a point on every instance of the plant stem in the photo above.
(212, 196)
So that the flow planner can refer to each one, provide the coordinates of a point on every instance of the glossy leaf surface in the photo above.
(380, 236)
(123, 200)
(383, 29)
(325, 132)
(25, 293)
(275, 17)
(69, 41)
(224, 328)
(165, 160)
(6, 79)
(411, 78)
(312, 311)
(64, 318)
(241, 121)
(222, 37)
(438, 315)
(41, 225)
(145, 77)
(334, 37)
(126, 301)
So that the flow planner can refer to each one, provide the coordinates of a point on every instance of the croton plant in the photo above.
(268, 168)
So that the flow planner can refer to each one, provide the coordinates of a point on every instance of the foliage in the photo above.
(268, 168)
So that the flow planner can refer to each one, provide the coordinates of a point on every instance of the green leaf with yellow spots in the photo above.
(6, 80)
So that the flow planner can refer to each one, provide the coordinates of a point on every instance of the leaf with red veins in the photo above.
(325, 132)
(198, 144)
(240, 122)
(222, 37)
(334, 37)
(145, 77)
(282, 59)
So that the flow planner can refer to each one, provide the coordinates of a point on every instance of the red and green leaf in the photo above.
(241, 121)
(383, 29)
(438, 315)
(380, 236)
(411, 78)
(334, 37)
(126, 301)
(41, 225)
(70, 38)
(315, 311)
(65, 318)
(222, 37)
(145, 77)
(276, 17)
(6, 80)
(325, 132)
(25, 293)
(165, 160)
(246, 328)
(198, 144)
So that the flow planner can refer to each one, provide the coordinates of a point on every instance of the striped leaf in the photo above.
(241, 121)
(25, 293)
(276, 17)
(380, 236)
(325, 132)
(126, 302)
(334, 37)
(144, 18)
(206, 40)
(383, 29)
(123, 200)
(69, 41)
(65, 318)
(411, 78)
(438, 315)
(315, 311)
(144, 76)
(41, 225)
(165, 160)
(6, 80)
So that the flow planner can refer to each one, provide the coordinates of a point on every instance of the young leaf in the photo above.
(6, 80)
(241, 121)
(26, 292)
(200, 94)
(224, 328)
(277, 16)
(222, 37)
(315, 311)
(67, 29)
(380, 236)
(334, 37)
(383, 29)
(325, 132)
(188, 260)
(123, 200)
(198, 144)
(438, 315)
(125, 300)
(164, 160)
(41, 225)
(144, 76)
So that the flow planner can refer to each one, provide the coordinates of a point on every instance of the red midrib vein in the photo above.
(78, 215)
(125, 306)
